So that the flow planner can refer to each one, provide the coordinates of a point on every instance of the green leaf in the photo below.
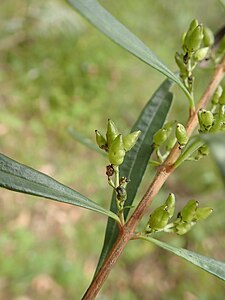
(20, 178)
(116, 31)
(136, 160)
(216, 143)
(208, 264)
(85, 141)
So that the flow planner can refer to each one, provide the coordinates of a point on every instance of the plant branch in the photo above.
(128, 231)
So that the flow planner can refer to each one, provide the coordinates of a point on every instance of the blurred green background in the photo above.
(57, 71)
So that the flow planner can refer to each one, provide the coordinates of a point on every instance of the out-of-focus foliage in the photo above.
(58, 71)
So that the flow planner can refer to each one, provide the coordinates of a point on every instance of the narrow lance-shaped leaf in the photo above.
(150, 120)
(20, 178)
(216, 143)
(208, 264)
(111, 27)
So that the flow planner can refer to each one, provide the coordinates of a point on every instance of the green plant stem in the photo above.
(118, 203)
(127, 232)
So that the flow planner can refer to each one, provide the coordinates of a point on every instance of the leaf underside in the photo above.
(20, 178)
(208, 264)
(136, 160)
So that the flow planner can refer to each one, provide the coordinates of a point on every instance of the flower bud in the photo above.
(182, 228)
(160, 137)
(189, 210)
(112, 132)
(201, 53)
(181, 135)
(121, 193)
(159, 218)
(203, 213)
(222, 98)
(116, 151)
(101, 141)
(170, 204)
(208, 39)
(194, 38)
(130, 140)
(206, 119)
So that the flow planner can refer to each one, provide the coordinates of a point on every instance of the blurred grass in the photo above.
(57, 71)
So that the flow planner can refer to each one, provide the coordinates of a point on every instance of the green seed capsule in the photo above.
(169, 126)
(217, 95)
(203, 213)
(112, 132)
(206, 119)
(189, 211)
(222, 98)
(170, 143)
(130, 140)
(181, 135)
(194, 23)
(116, 151)
(182, 228)
(159, 218)
(170, 204)
(208, 39)
(194, 38)
(101, 141)
(160, 137)
(201, 53)
(202, 151)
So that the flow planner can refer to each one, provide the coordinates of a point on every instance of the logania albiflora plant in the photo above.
(169, 143)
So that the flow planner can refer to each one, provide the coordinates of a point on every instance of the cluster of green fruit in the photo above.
(186, 218)
(167, 136)
(196, 45)
(115, 144)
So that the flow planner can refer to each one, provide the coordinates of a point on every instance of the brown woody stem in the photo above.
(127, 232)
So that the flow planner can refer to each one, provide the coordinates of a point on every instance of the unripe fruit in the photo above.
(194, 38)
(182, 228)
(130, 140)
(217, 95)
(112, 132)
(116, 151)
(159, 218)
(222, 98)
(201, 53)
(202, 213)
(181, 135)
(160, 137)
(100, 140)
(206, 119)
(208, 39)
(170, 204)
(189, 211)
